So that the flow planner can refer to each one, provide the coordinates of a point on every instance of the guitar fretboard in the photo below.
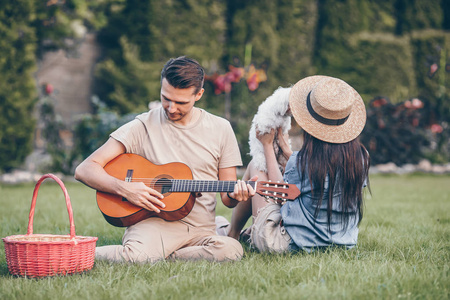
(183, 185)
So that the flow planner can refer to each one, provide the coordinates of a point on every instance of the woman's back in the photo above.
(320, 217)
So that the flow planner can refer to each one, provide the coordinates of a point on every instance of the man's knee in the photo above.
(127, 253)
(229, 250)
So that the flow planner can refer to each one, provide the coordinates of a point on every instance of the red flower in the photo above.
(48, 89)
(379, 102)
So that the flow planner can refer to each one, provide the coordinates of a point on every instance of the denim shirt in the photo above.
(306, 231)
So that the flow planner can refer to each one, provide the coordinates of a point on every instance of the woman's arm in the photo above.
(284, 144)
(273, 172)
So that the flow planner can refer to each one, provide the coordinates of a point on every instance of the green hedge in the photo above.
(430, 48)
(17, 87)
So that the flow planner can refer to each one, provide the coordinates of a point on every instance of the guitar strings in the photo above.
(205, 185)
(179, 185)
(193, 180)
(186, 183)
(165, 181)
(197, 184)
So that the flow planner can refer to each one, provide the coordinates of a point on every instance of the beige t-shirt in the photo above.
(205, 146)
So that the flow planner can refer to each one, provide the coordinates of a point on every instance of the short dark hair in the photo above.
(183, 72)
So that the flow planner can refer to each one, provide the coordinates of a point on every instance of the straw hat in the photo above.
(328, 108)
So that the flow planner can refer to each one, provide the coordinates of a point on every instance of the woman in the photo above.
(330, 170)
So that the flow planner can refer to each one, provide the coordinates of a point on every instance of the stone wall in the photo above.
(71, 76)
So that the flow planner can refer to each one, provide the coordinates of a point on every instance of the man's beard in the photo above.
(174, 117)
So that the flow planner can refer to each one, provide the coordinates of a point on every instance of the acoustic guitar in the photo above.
(174, 181)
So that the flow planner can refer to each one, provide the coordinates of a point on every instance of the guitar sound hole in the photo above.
(163, 185)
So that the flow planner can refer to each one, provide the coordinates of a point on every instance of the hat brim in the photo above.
(344, 133)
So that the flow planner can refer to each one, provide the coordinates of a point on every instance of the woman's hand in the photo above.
(284, 144)
(265, 138)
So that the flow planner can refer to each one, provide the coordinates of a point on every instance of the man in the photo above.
(176, 132)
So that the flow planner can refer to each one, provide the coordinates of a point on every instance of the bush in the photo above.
(17, 87)
(401, 134)
(93, 130)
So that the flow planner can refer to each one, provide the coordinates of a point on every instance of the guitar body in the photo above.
(132, 167)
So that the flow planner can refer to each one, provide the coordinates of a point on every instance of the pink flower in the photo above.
(255, 77)
(416, 103)
(222, 84)
(433, 68)
(436, 128)
(235, 74)
(408, 104)
(252, 82)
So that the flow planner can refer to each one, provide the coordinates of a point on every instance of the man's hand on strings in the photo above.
(143, 196)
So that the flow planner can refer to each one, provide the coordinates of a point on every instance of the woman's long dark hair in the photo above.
(347, 167)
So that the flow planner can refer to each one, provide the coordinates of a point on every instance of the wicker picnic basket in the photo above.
(40, 255)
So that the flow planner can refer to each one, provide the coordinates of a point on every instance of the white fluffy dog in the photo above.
(272, 114)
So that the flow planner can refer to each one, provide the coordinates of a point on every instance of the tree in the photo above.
(17, 87)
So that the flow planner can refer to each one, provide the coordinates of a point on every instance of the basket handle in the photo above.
(68, 204)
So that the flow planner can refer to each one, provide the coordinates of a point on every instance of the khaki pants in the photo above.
(154, 239)
(268, 234)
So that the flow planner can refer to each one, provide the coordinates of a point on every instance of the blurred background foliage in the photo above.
(397, 50)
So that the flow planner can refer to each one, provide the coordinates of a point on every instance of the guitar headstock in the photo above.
(280, 192)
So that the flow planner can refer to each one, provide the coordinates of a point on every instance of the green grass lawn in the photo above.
(403, 253)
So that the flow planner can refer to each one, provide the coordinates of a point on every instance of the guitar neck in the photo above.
(198, 186)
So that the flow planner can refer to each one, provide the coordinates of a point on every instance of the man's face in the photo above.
(178, 103)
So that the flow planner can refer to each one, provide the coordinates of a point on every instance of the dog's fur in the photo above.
(271, 115)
